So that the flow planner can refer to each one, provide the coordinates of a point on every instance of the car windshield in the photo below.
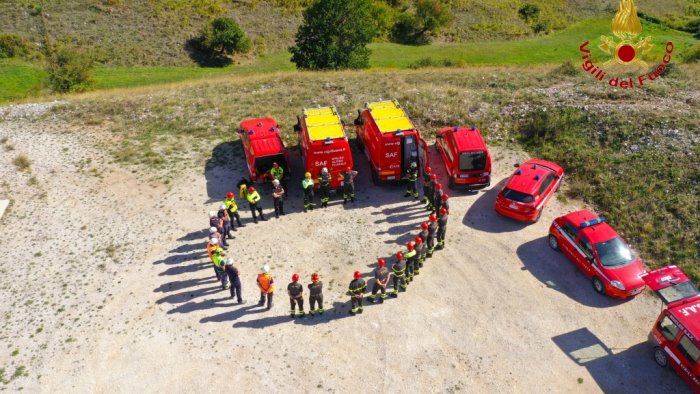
(614, 253)
(517, 196)
(472, 161)
(678, 292)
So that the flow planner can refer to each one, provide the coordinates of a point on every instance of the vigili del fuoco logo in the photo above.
(625, 52)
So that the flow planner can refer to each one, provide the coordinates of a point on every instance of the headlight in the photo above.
(617, 284)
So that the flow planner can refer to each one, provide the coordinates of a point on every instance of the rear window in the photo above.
(472, 161)
(517, 196)
(678, 292)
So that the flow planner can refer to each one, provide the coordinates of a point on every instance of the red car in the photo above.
(529, 189)
(599, 252)
(466, 157)
(676, 334)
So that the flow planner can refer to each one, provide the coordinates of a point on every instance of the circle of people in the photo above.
(406, 263)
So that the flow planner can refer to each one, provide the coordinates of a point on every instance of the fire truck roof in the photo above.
(323, 123)
(389, 116)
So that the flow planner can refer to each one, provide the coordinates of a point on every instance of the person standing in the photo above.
(429, 192)
(420, 253)
(307, 184)
(235, 280)
(215, 255)
(437, 198)
(218, 223)
(423, 236)
(410, 256)
(266, 286)
(427, 172)
(399, 274)
(254, 201)
(277, 174)
(381, 280)
(442, 228)
(432, 230)
(295, 290)
(324, 186)
(444, 204)
(277, 193)
(357, 289)
(226, 219)
(315, 295)
(348, 179)
(232, 207)
(412, 181)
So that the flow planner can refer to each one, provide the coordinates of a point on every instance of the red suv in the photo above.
(599, 252)
(529, 189)
(466, 158)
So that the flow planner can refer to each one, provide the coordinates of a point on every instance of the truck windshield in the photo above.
(614, 253)
(472, 161)
(517, 196)
(678, 292)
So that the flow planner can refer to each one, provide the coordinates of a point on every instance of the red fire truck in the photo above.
(390, 140)
(676, 334)
(323, 143)
(466, 157)
(263, 146)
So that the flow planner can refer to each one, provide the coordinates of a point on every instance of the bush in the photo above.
(417, 28)
(692, 55)
(68, 69)
(14, 45)
(430, 62)
(224, 36)
(334, 35)
(693, 27)
(566, 69)
(529, 13)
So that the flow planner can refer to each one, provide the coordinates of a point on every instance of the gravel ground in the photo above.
(106, 287)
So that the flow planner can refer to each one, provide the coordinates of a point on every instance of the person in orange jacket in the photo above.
(266, 286)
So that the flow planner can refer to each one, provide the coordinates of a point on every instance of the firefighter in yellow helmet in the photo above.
(308, 185)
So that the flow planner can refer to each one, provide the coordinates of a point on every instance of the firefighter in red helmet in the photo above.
(357, 290)
(399, 274)
(295, 290)
(432, 231)
(381, 280)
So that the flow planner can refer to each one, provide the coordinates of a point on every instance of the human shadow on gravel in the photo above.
(199, 306)
(195, 235)
(610, 368)
(183, 269)
(197, 246)
(185, 296)
(557, 272)
(483, 216)
(182, 258)
(339, 310)
(233, 314)
(181, 284)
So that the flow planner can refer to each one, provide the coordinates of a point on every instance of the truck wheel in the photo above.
(660, 357)
(598, 285)
(553, 242)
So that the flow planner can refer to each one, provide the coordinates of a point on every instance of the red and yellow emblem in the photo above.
(626, 47)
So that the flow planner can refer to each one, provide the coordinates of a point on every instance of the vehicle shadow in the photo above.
(557, 272)
(482, 215)
(630, 370)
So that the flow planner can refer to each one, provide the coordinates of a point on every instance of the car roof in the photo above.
(323, 123)
(389, 116)
(261, 127)
(595, 229)
(528, 177)
(688, 314)
(467, 138)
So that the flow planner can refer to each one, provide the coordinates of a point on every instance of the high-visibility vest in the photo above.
(277, 173)
(306, 183)
(253, 197)
(243, 190)
(231, 204)
(264, 281)
(409, 254)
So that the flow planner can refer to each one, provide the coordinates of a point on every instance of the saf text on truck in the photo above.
(323, 143)
(263, 146)
(390, 141)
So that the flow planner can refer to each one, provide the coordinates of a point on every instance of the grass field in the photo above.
(19, 80)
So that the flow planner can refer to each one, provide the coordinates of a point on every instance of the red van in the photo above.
(465, 156)
(676, 333)
(263, 146)
(390, 140)
(323, 143)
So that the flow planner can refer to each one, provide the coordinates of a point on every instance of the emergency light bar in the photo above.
(593, 222)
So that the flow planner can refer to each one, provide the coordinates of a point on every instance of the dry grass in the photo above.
(22, 163)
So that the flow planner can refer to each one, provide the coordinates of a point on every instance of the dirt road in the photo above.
(107, 288)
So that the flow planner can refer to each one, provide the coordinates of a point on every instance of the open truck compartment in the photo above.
(263, 146)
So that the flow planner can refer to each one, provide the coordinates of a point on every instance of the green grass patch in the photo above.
(19, 79)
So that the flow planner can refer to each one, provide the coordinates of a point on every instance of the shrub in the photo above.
(14, 45)
(334, 35)
(68, 69)
(430, 62)
(223, 35)
(693, 27)
(567, 69)
(529, 13)
(22, 162)
(417, 28)
(692, 55)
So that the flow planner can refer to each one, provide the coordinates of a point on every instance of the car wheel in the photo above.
(660, 357)
(598, 285)
(553, 242)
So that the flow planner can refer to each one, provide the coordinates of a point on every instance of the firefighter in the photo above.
(235, 280)
(277, 173)
(381, 281)
(315, 295)
(218, 223)
(266, 286)
(430, 192)
(253, 198)
(432, 230)
(437, 198)
(423, 236)
(420, 253)
(295, 290)
(232, 208)
(410, 256)
(216, 254)
(427, 172)
(307, 184)
(442, 228)
(412, 179)
(356, 289)
(399, 274)
(324, 183)
(444, 204)
(277, 193)
(348, 178)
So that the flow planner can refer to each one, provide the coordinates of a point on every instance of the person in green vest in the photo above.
(277, 173)
(412, 181)
(308, 186)
(253, 198)
(232, 208)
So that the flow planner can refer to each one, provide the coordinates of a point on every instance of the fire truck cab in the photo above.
(323, 143)
(263, 146)
(676, 333)
(390, 140)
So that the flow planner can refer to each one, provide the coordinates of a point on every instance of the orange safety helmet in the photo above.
(410, 246)
(438, 186)
(314, 277)
(445, 197)
(357, 275)
(443, 211)
(381, 262)
(399, 255)
(229, 195)
(433, 218)
(419, 240)
(424, 226)
(433, 176)
(295, 278)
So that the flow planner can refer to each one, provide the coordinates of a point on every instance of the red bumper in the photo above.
(517, 215)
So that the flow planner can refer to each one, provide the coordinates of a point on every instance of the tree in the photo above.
(334, 35)
(417, 28)
(224, 36)
(68, 68)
